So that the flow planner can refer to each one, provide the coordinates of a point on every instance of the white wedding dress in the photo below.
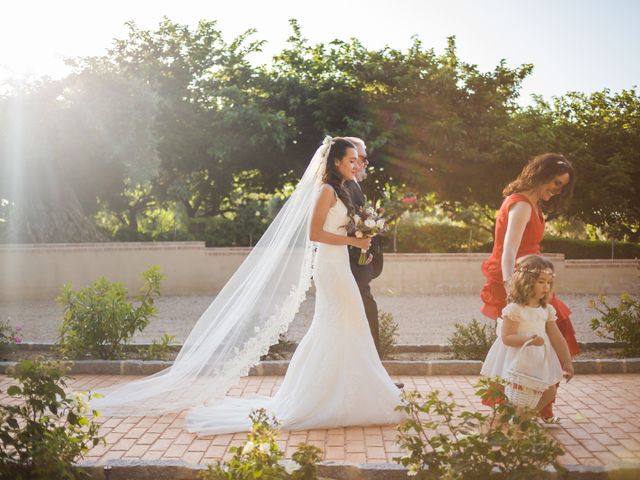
(335, 377)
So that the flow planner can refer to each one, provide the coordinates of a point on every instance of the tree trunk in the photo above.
(50, 218)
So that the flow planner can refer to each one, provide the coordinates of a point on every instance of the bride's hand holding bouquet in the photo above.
(366, 224)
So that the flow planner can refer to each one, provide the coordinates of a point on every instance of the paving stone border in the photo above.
(403, 348)
(180, 470)
(394, 367)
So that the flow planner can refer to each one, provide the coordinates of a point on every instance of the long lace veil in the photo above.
(255, 306)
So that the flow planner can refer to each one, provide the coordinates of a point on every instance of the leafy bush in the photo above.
(47, 431)
(157, 350)
(9, 335)
(620, 324)
(388, 331)
(472, 341)
(99, 320)
(475, 444)
(260, 456)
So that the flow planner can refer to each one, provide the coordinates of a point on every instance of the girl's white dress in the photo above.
(531, 320)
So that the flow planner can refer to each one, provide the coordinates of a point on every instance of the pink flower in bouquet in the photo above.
(381, 210)
(18, 339)
(18, 328)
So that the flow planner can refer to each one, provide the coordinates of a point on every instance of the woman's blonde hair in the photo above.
(527, 271)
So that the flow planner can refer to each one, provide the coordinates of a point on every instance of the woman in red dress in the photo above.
(545, 184)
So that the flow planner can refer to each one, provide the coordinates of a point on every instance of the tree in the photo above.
(35, 180)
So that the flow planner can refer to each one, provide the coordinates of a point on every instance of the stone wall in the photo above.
(37, 272)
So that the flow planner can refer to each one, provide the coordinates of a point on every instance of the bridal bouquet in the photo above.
(367, 223)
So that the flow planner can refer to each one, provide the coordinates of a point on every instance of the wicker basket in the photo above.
(522, 389)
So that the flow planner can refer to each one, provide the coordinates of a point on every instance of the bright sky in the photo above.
(583, 45)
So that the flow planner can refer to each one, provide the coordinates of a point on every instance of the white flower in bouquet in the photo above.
(367, 223)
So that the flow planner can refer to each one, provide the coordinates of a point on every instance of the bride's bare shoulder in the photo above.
(327, 194)
(327, 190)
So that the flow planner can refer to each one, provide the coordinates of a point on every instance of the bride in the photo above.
(335, 377)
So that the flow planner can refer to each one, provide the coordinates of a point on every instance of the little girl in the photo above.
(528, 316)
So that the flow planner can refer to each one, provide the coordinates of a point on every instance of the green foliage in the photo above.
(434, 238)
(472, 341)
(443, 442)
(590, 248)
(620, 323)
(99, 319)
(394, 202)
(9, 335)
(179, 116)
(47, 430)
(260, 456)
(281, 350)
(388, 331)
(158, 350)
(600, 134)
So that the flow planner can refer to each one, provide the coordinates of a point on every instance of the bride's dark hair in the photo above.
(332, 176)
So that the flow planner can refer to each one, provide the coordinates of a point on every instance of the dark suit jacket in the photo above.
(358, 199)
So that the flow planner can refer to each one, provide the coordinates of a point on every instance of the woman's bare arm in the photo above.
(519, 215)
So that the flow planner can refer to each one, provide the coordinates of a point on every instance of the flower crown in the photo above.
(538, 271)
(328, 141)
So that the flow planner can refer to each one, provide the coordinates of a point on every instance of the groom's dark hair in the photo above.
(337, 151)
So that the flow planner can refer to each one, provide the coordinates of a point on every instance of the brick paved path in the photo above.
(601, 424)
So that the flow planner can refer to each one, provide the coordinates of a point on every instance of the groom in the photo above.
(365, 273)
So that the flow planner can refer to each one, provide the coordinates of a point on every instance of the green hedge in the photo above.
(433, 238)
(589, 248)
(576, 249)
(445, 238)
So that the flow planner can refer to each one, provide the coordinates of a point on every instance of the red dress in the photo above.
(493, 293)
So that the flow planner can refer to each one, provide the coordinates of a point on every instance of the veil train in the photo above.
(255, 306)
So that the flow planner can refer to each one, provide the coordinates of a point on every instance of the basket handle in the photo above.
(515, 361)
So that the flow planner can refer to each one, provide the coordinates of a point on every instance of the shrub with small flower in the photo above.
(9, 335)
(443, 442)
(100, 319)
(472, 341)
(394, 204)
(388, 333)
(260, 456)
(619, 323)
(47, 430)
